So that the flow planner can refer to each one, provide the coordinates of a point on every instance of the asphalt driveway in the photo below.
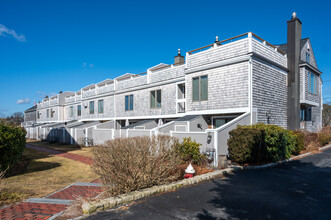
(299, 189)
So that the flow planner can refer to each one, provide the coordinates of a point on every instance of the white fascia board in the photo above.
(314, 69)
(219, 111)
(204, 112)
(309, 103)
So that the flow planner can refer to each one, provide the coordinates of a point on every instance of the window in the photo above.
(47, 113)
(91, 107)
(305, 113)
(100, 106)
(79, 110)
(312, 82)
(200, 88)
(155, 97)
(128, 102)
(52, 113)
(218, 122)
(71, 111)
(307, 57)
(181, 91)
(38, 115)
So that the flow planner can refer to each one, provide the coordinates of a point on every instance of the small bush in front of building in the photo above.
(300, 142)
(12, 144)
(245, 144)
(129, 164)
(189, 150)
(279, 142)
(260, 143)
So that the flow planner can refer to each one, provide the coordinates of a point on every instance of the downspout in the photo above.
(250, 77)
(114, 109)
(216, 148)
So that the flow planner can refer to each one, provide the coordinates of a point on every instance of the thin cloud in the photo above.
(4, 31)
(23, 101)
(85, 65)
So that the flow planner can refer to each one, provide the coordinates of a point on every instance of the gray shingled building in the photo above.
(204, 95)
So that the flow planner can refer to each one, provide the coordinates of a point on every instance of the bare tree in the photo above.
(326, 118)
(17, 118)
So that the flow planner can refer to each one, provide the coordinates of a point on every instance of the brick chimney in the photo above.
(179, 58)
(293, 59)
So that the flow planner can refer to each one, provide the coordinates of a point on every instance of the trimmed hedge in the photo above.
(12, 144)
(262, 143)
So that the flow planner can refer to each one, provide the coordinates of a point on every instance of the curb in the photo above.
(325, 147)
(90, 207)
(112, 202)
(276, 163)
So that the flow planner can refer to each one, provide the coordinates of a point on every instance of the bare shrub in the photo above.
(311, 140)
(129, 164)
(74, 210)
(324, 136)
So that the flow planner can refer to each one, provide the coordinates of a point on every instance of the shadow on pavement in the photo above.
(298, 189)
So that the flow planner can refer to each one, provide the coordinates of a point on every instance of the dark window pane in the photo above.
(158, 96)
(79, 110)
(92, 107)
(131, 102)
(196, 89)
(204, 87)
(100, 106)
(152, 99)
(126, 103)
(312, 83)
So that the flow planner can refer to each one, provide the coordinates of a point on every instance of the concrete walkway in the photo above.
(54, 203)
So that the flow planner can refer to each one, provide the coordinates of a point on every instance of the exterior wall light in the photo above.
(268, 114)
(209, 137)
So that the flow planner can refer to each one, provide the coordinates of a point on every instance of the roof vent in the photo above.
(216, 41)
(294, 15)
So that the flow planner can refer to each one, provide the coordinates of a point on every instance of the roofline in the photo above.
(311, 67)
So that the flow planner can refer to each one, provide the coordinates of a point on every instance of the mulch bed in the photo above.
(198, 169)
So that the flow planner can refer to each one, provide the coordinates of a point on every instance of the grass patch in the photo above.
(45, 174)
(75, 149)
(9, 198)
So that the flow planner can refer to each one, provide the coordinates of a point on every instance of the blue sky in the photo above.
(51, 46)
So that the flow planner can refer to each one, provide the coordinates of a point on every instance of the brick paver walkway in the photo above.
(71, 156)
(72, 192)
(27, 210)
(46, 207)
